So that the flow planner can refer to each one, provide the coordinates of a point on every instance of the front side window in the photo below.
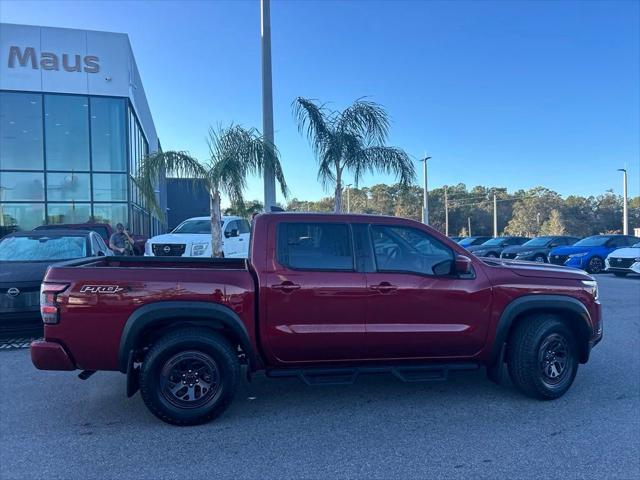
(315, 246)
(243, 227)
(406, 249)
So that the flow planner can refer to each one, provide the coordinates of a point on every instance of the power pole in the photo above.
(495, 216)
(446, 213)
(349, 197)
(267, 100)
(425, 199)
(469, 223)
(625, 204)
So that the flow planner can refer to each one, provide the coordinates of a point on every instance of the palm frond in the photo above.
(154, 166)
(314, 121)
(389, 160)
(366, 119)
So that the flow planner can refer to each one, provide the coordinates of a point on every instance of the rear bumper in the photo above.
(50, 356)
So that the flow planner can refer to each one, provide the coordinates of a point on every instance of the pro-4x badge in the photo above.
(101, 289)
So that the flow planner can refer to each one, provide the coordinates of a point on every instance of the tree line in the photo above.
(537, 211)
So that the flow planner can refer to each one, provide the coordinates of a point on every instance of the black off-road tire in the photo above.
(527, 356)
(189, 345)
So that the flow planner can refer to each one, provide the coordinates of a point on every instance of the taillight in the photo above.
(48, 301)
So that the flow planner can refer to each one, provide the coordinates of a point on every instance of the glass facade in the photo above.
(71, 159)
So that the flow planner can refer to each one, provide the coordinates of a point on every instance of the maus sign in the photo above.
(52, 61)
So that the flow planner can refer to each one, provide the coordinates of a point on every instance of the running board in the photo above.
(348, 375)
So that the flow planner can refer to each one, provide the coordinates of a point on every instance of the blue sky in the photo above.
(516, 94)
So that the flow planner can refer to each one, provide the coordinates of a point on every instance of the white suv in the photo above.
(192, 238)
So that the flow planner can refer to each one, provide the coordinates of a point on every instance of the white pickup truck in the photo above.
(192, 238)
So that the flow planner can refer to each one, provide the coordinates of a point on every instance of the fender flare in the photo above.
(195, 313)
(533, 302)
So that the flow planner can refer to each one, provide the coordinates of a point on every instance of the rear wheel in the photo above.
(542, 357)
(189, 376)
(595, 265)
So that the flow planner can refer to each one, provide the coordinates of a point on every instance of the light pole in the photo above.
(349, 197)
(625, 211)
(495, 216)
(267, 100)
(425, 200)
(446, 213)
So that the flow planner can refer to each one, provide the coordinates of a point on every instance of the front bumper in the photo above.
(633, 268)
(50, 356)
(577, 262)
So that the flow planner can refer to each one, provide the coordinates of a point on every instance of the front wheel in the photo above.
(595, 265)
(542, 357)
(189, 376)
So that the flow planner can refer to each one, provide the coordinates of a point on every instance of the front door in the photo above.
(419, 308)
(230, 242)
(314, 298)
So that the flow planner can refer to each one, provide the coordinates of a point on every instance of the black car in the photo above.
(537, 249)
(24, 258)
(493, 247)
(471, 241)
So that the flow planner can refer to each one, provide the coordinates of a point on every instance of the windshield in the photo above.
(595, 241)
(194, 226)
(34, 249)
(465, 242)
(494, 241)
(537, 242)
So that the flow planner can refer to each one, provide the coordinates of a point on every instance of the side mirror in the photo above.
(462, 265)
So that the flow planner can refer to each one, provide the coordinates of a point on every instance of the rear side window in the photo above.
(243, 226)
(315, 246)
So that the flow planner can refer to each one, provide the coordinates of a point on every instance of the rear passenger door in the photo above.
(314, 297)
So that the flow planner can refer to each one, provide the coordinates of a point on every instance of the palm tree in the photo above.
(350, 141)
(234, 153)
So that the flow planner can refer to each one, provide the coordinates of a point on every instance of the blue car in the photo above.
(589, 253)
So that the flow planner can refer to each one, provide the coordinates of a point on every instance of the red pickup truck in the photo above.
(324, 298)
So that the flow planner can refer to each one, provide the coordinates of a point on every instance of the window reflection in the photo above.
(66, 132)
(110, 213)
(21, 186)
(68, 213)
(68, 187)
(108, 135)
(23, 216)
(109, 187)
(21, 131)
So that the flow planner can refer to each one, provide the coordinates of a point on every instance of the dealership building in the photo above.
(74, 127)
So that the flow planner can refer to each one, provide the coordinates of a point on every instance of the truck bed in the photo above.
(103, 293)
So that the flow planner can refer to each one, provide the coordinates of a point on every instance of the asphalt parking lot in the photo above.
(56, 426)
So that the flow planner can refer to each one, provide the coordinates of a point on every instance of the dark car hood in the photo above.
(22, 272)
(539, 270)
(522, 248)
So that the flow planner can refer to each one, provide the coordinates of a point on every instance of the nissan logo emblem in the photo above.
(166, 249)
(619, 259)
(13, 292)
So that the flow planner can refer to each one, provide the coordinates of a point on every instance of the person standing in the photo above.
(121, 242)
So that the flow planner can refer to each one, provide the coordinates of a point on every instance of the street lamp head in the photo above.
(622, 170)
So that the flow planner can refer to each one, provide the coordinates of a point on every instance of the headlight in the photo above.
(524, 254)
(578, 255)
(198, 249)
(592, 285)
